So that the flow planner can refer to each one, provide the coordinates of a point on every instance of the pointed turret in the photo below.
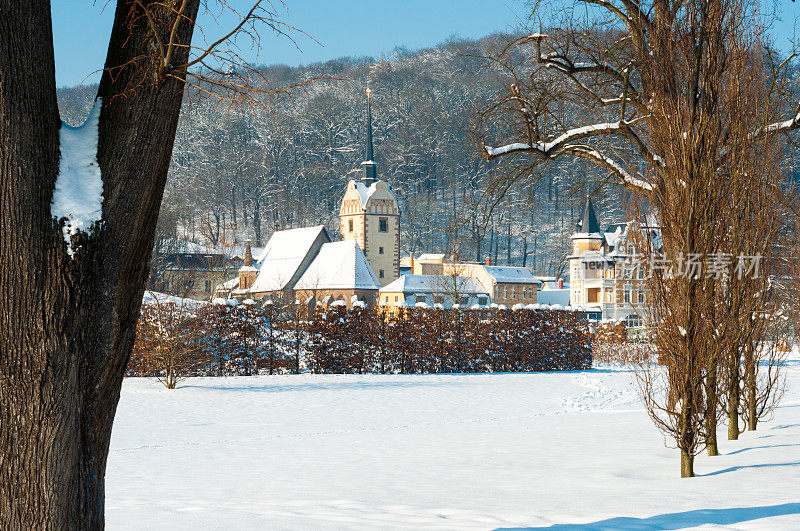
(369, 167)
(588, 223)
(248, 272)
(248, 255)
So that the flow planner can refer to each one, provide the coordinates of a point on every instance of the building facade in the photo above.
(603, 279)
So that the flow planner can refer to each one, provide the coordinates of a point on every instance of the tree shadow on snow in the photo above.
(743, 467)
(275, 387)
(760, 448)
(684, 519)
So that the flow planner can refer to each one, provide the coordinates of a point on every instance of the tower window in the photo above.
(380, 273)
(380, 250)
(383, 225)
(350, 225)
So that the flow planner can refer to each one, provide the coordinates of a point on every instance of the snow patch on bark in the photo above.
(78, 195)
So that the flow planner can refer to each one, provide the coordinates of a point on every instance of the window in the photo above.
(641, 296)
(350, 225)
(515, 292)
(439, 299)
(627, 296)
(496, 292)
(633, 321)
(483, 301)
(395, 298)
(380, 273)
(383, 225)
(380, 250)
(208, 286)
(419, 298)
(463, 301)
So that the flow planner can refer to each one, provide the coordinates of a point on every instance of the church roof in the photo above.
(283, 256)
(365, 192)
(339, 265)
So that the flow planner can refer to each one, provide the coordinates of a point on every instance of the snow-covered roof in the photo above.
(553, 296)
(518, 275)
(432, 284)
(365, 192)
(156, 297)
(179, 245)
(229, 284)
(282, 257)
(431, 256)
(339, 265)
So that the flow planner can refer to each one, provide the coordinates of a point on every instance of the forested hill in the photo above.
(243, 175)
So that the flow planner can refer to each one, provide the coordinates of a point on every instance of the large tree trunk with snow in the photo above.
(67, 322)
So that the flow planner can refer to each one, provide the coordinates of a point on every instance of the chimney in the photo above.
(411, 255)
(560, 283)
(488, 260)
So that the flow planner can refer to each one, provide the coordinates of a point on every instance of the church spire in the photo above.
(369, 167)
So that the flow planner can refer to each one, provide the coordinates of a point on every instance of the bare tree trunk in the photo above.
(752, 392)
(733, 397)
(711, 407)
(67, 324)
(687, 464)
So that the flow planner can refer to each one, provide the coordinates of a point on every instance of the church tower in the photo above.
(370, 215)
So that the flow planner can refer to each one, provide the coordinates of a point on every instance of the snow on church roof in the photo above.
(283, 256)
(365, 192)
(339, 265)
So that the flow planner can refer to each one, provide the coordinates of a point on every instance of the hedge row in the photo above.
(219, 341)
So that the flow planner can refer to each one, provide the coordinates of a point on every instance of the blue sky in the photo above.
(343, 27)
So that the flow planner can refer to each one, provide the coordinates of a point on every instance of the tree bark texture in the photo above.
(67, 324)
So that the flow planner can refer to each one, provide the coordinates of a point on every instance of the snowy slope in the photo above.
(486, 451)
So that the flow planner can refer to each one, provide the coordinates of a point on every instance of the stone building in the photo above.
(370, 215)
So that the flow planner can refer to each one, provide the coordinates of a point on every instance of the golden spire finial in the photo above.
(369, 91)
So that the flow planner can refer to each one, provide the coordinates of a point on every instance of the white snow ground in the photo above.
(559, 450)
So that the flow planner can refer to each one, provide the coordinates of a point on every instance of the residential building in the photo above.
(508, 285)
(192, 270)
(602, 279)
(409, 290)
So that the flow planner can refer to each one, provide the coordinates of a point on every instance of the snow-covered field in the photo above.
(561, 450)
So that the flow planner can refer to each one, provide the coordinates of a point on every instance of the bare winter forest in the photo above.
(241, 175)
